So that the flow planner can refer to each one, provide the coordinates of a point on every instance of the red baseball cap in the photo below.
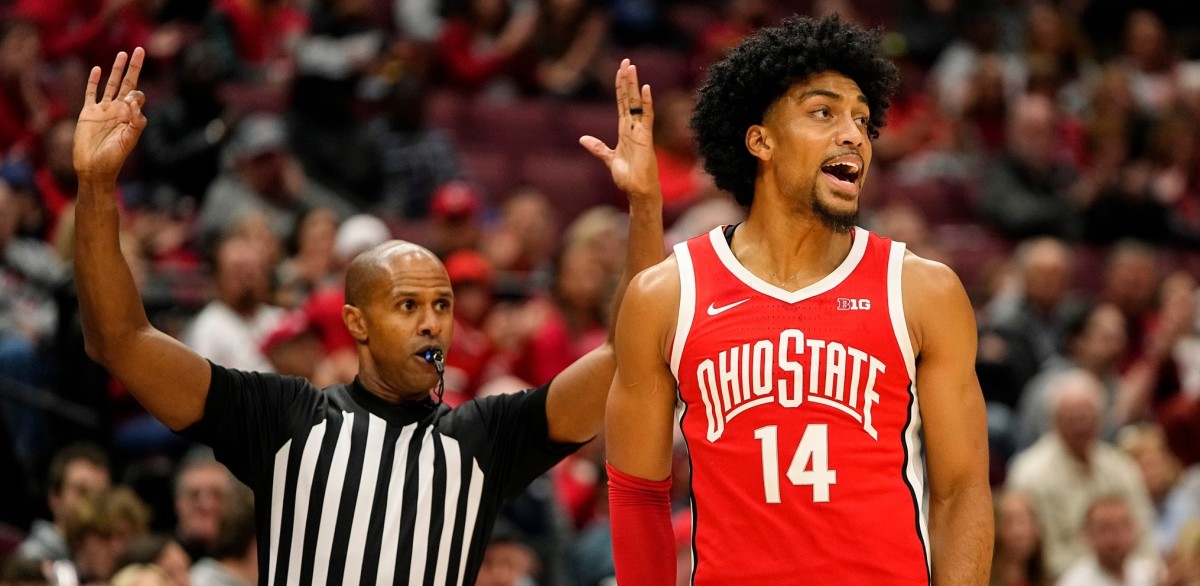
(456, 199)
(292, 326)
(469, 266)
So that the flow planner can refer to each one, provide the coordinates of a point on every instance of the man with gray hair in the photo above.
(1069, 467)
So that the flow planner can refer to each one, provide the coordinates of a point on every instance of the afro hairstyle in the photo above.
(752, 76)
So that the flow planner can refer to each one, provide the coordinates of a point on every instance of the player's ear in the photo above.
(759, 142)
(355, 322)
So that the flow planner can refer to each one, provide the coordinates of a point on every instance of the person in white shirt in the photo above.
(1112, 534)
(229, 330)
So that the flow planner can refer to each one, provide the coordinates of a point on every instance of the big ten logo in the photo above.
(846, 304)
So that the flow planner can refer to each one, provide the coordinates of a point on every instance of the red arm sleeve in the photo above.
(643, 542)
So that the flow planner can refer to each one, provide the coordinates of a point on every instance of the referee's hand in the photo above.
(110, 122)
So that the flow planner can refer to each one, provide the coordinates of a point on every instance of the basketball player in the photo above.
(371, 482)
(831, 413)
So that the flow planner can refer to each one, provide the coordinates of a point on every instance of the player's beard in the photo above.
(837, 221)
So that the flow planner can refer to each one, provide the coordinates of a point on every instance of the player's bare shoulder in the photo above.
(652, 300)
(934, 298)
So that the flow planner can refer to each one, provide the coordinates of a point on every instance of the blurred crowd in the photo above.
(1045, 150)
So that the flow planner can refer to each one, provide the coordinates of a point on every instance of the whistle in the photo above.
(437, 358)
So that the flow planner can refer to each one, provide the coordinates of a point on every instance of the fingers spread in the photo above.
(114, 76)
(647, 106)
(622, 103)
(633, 97)
(597, 148)
(133, 71)
(92, 82)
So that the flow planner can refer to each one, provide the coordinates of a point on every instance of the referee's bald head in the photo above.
(371, 268)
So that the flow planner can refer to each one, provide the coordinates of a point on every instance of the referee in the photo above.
(371, 482)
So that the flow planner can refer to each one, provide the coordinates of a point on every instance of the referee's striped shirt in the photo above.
(350, 489)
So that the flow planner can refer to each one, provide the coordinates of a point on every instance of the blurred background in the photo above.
(1046, 150)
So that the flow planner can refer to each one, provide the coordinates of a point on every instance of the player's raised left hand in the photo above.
(632, 162)
(110, 123)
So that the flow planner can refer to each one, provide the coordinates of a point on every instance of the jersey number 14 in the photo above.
(810, 463)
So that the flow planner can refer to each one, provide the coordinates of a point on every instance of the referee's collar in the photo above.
(402, 413)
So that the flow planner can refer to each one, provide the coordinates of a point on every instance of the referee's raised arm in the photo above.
(169, 380)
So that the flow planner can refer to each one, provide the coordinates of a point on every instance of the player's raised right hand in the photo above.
(110, 123)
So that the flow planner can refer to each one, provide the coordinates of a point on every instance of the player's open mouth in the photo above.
(844, 172)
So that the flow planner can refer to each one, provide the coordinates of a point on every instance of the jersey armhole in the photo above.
(687, 304)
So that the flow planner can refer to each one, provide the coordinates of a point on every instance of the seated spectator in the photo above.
(414, 158)
(568, 39)
(323, 309)
(77, 473)
(680, 172)
(187, 130)
(328, 134)
(1093, 340)
(455, 213)
(1070, 466)
(21, 571)
(202, 485)
(1150, 62)
(311, 263)
(573, 316)
(1112, 532)
(739, 18)
(262, 176)
(1027, 191)
(255, 38)
(1017, 555)
(1030, 323)
(485, 48)
(100, 530)
(55, 177)
(30, 272)
(142, 575)
(1132, 277)
(517, 244)
(25, 109)
(92, 32)
(508, 560)
(231, 328)
(1174, 491)
(1184, 563)
(233, 559)
(163, 552)
(471, 351)
(294, 349)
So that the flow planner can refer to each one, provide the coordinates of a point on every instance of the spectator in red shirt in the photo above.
(471, 351)
(488, 47)
(24, 108)
(255, 38)
(94, 30)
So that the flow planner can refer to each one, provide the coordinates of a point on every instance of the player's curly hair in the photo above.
(753, 75)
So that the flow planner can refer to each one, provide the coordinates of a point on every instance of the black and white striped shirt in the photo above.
(350, 489)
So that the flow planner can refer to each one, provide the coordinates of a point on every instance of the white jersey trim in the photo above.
(914, 472)
(857, 250)
(896, 308)
(687, 304)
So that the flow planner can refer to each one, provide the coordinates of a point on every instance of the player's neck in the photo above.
(787, 249)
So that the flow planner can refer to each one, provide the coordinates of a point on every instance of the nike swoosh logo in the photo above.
(714, 310)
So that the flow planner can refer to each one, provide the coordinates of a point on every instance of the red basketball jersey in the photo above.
(801, 421)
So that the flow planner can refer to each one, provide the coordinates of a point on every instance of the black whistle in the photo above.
(437, 358)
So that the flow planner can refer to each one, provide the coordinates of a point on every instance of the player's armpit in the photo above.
(954, 421)
(641, 403)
